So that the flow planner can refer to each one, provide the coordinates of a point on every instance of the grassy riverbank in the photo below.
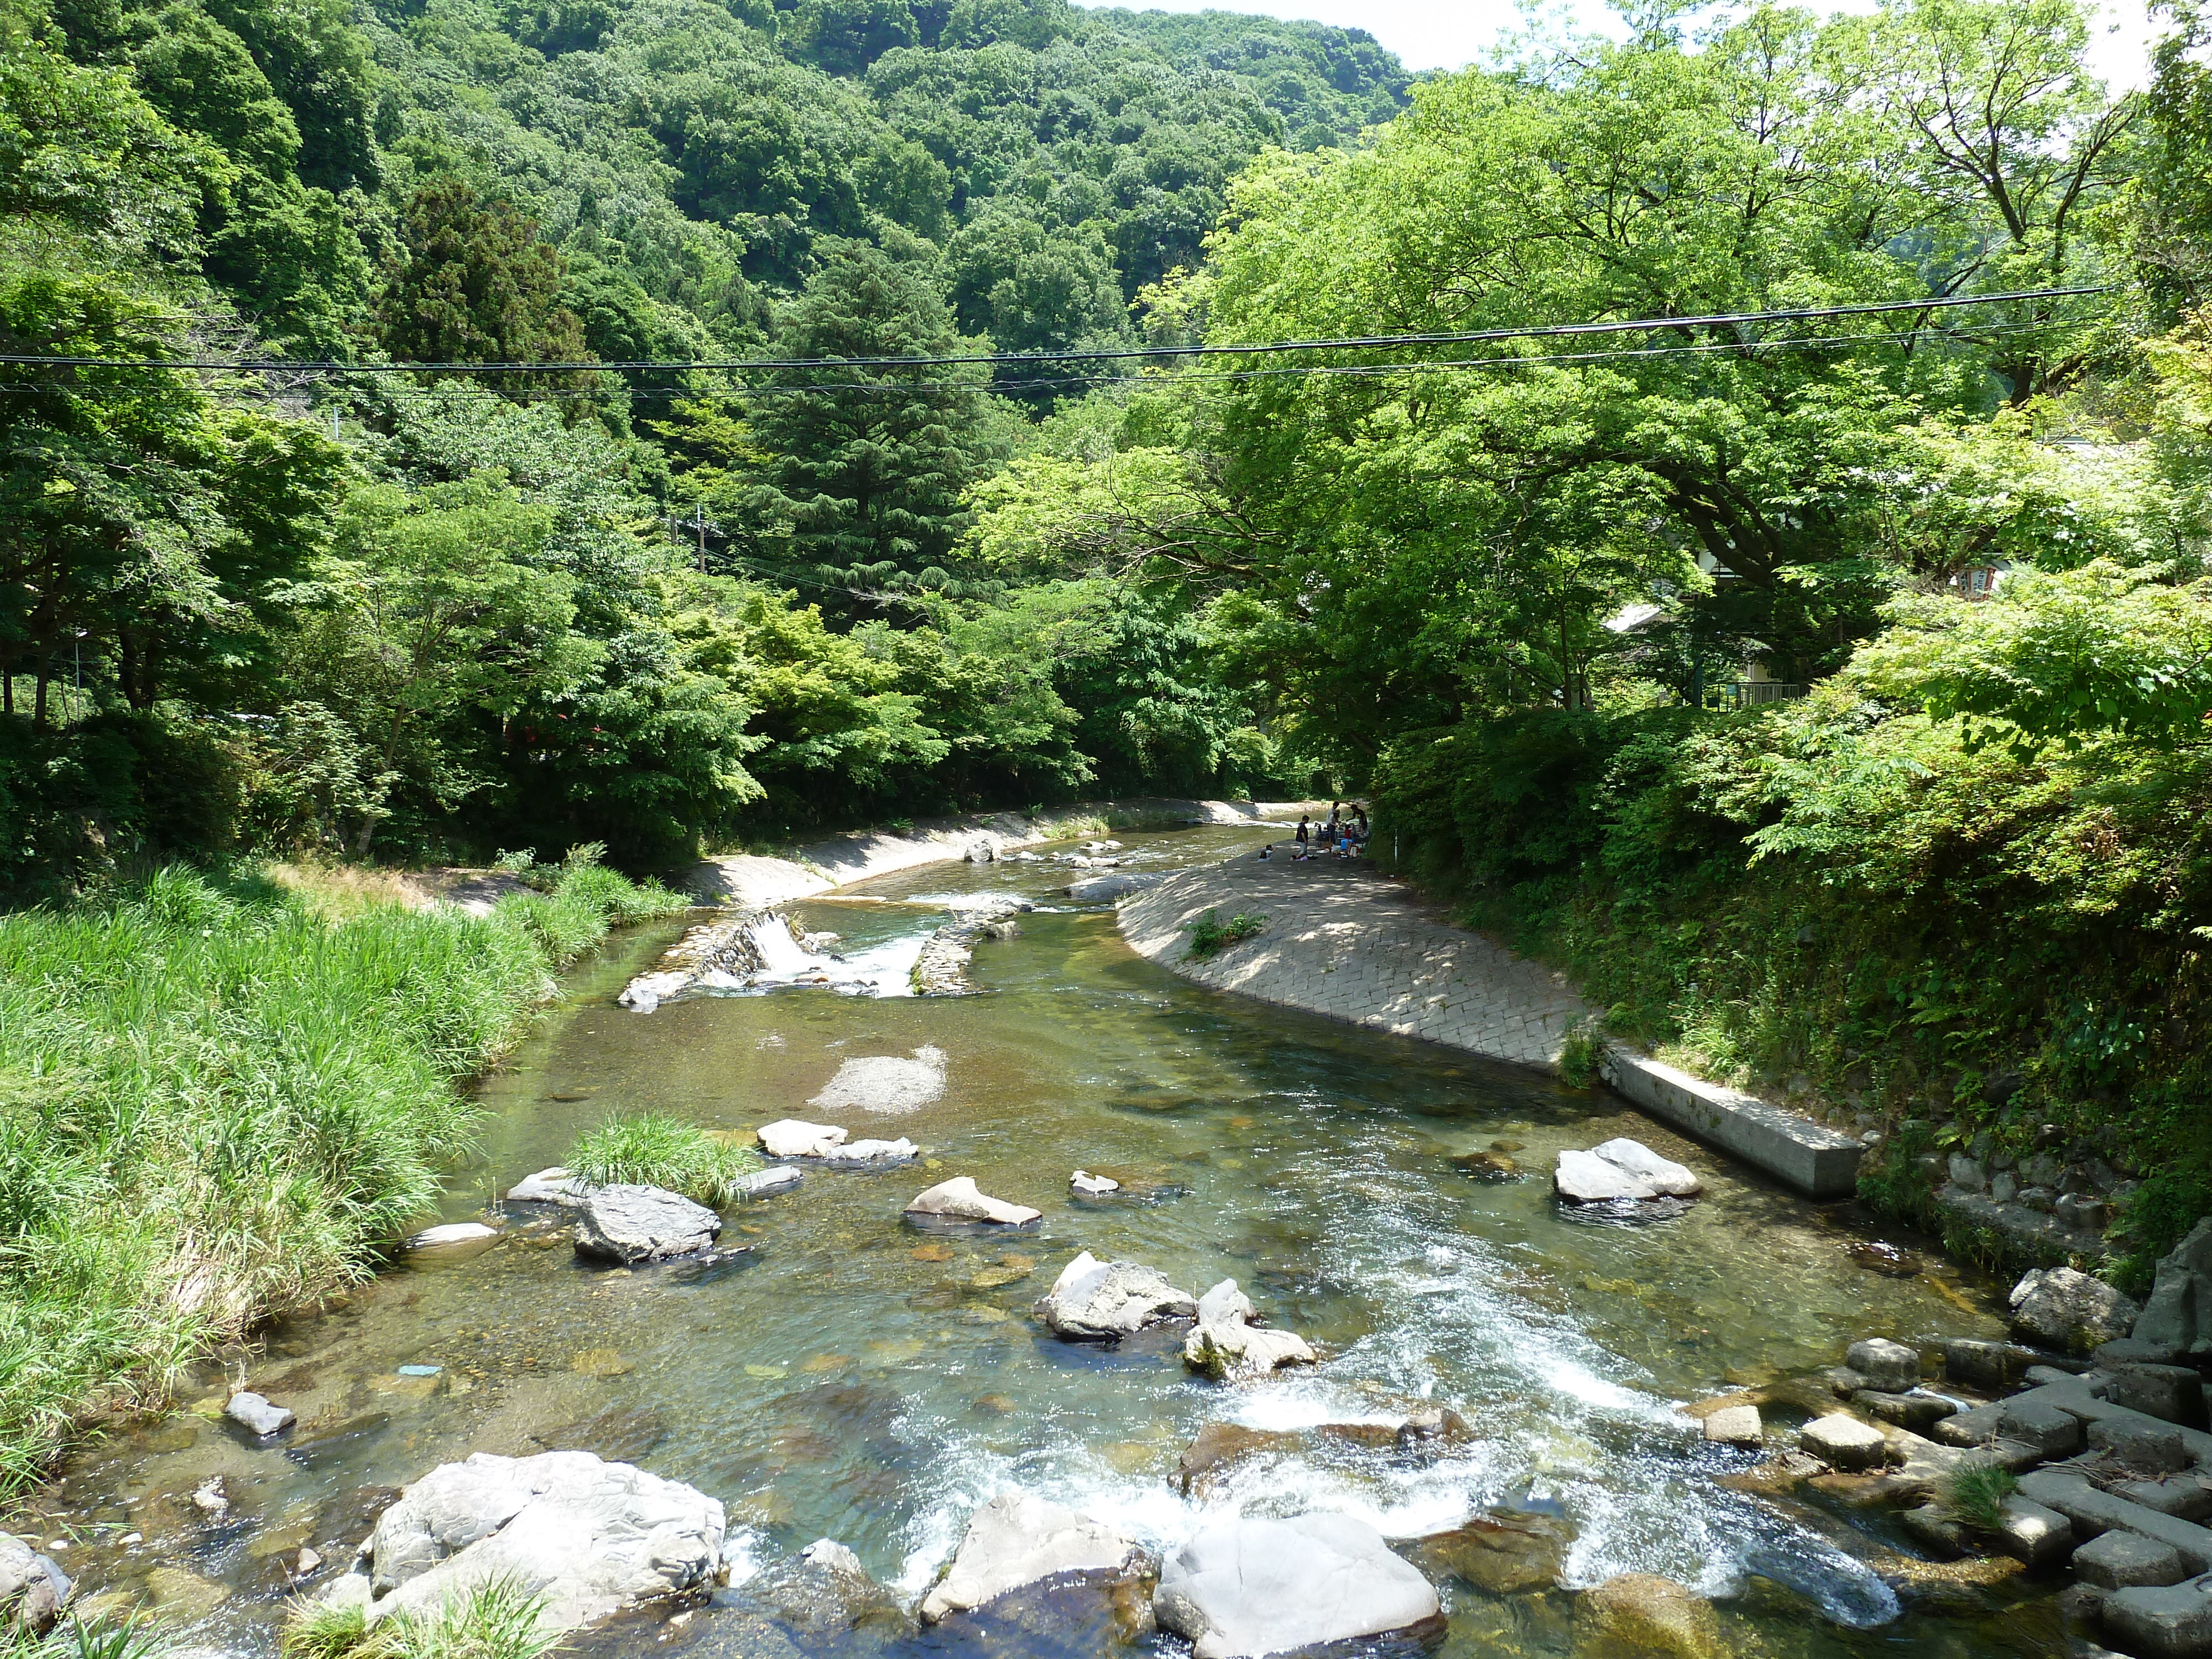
(220, 1098)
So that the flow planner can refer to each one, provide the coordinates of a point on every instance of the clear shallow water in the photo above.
(858, 1379)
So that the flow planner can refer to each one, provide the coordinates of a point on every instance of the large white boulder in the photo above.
(958, 1200)
(884, 1083)
(789, 1137)
(1254, 1586)
(1229, 1348)
(1094, 1301)
(1018, 1538)
(642, 1223)
(1620, 1168)
(590, 1537)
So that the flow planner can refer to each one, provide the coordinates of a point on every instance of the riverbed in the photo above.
(854, 1378)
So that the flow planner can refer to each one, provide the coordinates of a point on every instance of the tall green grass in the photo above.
(647, 1149)
(216, 1104)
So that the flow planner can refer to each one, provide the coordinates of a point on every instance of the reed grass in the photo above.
(217, 1102)
(647, 1149)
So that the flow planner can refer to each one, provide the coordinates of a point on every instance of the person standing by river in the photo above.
(1304, 837)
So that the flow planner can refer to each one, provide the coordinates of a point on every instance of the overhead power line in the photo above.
(1017, 359)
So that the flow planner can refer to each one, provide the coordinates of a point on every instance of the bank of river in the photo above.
(855, 1379)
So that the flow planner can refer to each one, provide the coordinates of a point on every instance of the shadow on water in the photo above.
(850, 1376)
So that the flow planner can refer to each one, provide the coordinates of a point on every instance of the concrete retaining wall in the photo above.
(1818, 1161)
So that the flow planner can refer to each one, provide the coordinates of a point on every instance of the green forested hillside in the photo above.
(385, 614)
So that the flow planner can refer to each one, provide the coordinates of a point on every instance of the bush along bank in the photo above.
(1982, 959)
(216, 1102)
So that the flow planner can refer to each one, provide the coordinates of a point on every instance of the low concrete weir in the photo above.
(1341, 940)
(1818, 1161)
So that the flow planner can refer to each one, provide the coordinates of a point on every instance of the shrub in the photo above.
(1210, 936)
(1579, 1054)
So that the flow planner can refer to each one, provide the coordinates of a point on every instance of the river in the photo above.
(854, 1378)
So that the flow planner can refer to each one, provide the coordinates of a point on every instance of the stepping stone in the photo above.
(1888, 1367)
(1843, 1442)
(2119, 1560)
(2033, 1534)
(790, 1137)
(1735, 1426)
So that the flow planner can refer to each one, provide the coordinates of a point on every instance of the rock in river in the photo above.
(1639, 1616)
(553, 1186)
(788, 1136)
(1094, 890)
(32, 1590)
(1888, 1366)
(1094, 1301)
(1620, 1168)
(1229, 1348)
(256, 1415)
(1249, 1587)
(642, 1223)
(957, 1199)
(884, 1083)
(590, 1537)
(1017, 1538)
(855, 1154)
(2067, 1308)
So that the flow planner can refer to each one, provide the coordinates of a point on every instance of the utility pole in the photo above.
(699, 522)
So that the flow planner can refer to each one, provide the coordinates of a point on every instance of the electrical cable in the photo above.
(815, 388)
(1373, 342)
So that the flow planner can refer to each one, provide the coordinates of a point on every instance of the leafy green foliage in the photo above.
(1210, 935)
(476, 286)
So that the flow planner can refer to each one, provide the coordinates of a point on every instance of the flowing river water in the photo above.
(854, 1378)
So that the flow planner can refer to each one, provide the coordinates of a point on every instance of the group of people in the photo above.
(1346, 833)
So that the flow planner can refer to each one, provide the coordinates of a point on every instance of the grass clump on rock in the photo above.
(496, 1619)
(647, 1149)
(1975, 1493)
(217, 1102)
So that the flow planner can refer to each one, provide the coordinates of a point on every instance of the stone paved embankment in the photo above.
(1343, 941)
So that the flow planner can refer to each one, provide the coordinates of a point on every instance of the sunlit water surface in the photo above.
(854, 1378)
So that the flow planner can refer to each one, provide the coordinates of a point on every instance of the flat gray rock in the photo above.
(1249, 1587)
(553, 1186)
(1018, 1538)
(1093, 889)
(642, 1223)
(1094, 1301)
(591, 1537)
(855, 1153)
(256, 1415)
(884, 1083)
(780, 1178)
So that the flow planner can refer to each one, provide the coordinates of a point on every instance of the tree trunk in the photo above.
(38, 702)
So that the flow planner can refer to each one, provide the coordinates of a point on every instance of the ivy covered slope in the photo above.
(1829, 692)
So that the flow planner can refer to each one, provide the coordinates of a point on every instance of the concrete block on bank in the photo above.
(1818, 1161)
